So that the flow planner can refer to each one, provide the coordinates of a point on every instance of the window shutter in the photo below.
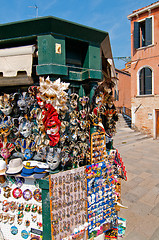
(136, 35)
(148, 31)
(118, 95)
(148, 81)
(115, 95)
(141, 82)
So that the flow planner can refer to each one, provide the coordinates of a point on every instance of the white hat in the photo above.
(2, 167)
(15, 166)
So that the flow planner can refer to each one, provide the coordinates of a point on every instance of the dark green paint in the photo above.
(81, 93)
(48, 69)
(44, 185)
(47, 25)
(93, 58)
(46, 50)
(74, 76)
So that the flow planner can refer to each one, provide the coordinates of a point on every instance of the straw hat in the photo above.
(15, 166)
(2, 167)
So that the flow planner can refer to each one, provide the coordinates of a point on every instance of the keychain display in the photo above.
(67, 194)
(101, 196)
(98, 147)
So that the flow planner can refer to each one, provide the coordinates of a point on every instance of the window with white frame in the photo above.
(143, 33)
(145, 81)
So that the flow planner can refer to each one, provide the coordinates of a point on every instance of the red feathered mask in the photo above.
(52, 124)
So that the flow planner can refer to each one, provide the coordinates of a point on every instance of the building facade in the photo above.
(122, 89)
(145, 69)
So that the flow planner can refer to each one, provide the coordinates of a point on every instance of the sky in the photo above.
(105, 15)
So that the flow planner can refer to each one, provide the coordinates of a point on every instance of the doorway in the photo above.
(157, 123)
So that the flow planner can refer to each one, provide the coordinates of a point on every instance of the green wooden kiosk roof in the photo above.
(29, 29)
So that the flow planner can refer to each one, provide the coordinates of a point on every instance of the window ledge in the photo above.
(146, 95)
(141, 48)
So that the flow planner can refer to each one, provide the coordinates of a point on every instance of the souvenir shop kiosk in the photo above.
(60, 176)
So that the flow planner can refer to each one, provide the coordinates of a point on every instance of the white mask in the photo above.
(53, 159)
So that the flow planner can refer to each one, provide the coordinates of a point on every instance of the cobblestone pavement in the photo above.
(140, 193)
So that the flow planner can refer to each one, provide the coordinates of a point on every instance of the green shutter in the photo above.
(148, 31)
(141, 81)
(148, 81)
(136, 35)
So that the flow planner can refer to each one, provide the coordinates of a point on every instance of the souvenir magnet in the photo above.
(14, 230)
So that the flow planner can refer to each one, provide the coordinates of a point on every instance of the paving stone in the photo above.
(148, 225)
(157, 185)
(137, 170)
(155, 235)
(151, 198)
(135, 236)
(145, 175)
(131, 175)
(141, 192)
(141, 209)
(150, 183)
(134, 182)
(132, 220)
(155, 210)
(131, 197)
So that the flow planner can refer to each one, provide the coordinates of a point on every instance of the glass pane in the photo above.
(141, 82)
(148, 81)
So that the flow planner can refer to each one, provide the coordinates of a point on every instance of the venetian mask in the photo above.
(40, 101)
(73, 100)
(84, 100)
(5, 105)
(25, 128)
(53, 127)
(53, 92)
(53, 158)
(23, 102)
(5, 153)
(5, 126)
(52, 124)
(28, 154)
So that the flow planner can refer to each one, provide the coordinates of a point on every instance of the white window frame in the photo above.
(142, 20)
(138, 85)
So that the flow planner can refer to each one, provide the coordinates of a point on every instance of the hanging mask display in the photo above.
(6, 150)
(5, 126)
(23, 102)
(52, 124)
(74, 100)
(84, 100)
(25, 127)
(5, 104)
(54, 93)
(53, 158)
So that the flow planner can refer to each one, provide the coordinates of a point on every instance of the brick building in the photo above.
(122, 89)
(145, 68)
